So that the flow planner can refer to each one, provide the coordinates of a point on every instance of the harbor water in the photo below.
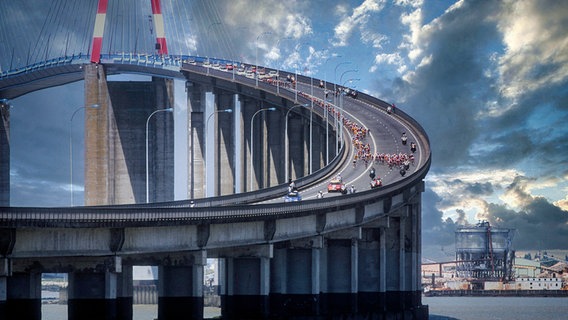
(441, 308)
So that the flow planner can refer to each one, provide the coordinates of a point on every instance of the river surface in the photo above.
(441, 308)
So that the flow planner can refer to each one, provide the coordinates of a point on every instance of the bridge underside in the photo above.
(365, 272)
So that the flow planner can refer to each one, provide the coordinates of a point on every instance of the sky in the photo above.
(488, 80)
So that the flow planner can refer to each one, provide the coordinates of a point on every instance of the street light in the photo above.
(325, 109)
(147, 174)
(94, 106)
(207, 136)
(256, 54)
(286, 148)
(251, 141)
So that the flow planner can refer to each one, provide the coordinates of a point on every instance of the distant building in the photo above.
(524, 268)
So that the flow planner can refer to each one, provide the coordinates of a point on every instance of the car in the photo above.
(375, 183)
(293, 196)
(336, 185)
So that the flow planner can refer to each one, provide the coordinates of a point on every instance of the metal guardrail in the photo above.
(114, 217)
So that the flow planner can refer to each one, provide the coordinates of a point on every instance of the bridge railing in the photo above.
(90, 217)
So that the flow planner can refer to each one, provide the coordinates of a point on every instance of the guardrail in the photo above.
(114, 217)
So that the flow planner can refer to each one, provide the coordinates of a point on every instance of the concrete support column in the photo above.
(274, 152)
(248, 108)
(92, 295)
(225, 145)
(180, 289)
(124, 294)
(297, 149)
(23, 296)
(97, 140)
(339, 297)
(196, 123)
(245, 283)
(240, 145)
(393, 264)
(295, 279)
(115, 140)
(369, 298)
(4, 155)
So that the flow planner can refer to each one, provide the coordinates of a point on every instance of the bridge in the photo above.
(343, 256)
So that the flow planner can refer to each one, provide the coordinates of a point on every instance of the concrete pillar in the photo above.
(338, 297)
(239, 143)
(295, 279)
(225, 145)
(23, 296)
(4, 155)
(297, 150)
(196, 123)
(274, 172)
(115, 140)
(247, 294)
(92, 295)
(124, 294)
(393, 264)
(97, 140)
(180, 289)
(370, 298)
(245, 283)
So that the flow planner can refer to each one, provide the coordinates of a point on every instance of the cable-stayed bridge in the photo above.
(250, 131)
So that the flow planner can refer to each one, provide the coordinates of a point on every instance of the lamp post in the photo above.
(147, 173)
(287, 147)
(326, 111)
(341, 105)
(338, 122)
(256, 54)
(94, 106)
(207, 138)
(251, 141)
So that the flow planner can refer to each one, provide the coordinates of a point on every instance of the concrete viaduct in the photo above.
(354, 256)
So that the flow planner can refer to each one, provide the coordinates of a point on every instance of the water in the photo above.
(441, 308)
(497, 308)
(140, 312)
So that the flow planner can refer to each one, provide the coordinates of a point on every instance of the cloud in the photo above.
(536, 55)
(351, 20)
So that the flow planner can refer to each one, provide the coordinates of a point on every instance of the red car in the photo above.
(336, 185)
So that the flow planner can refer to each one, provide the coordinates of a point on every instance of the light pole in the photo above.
(94, 106)
(147, 173)
(341, 104)
(287, 147)
(256, 54)
(251, 141)
(326, 111)
(337, 118)
(208, 143)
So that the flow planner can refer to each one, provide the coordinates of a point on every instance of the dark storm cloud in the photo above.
(451, 95)
(435, 229)
(444, 94)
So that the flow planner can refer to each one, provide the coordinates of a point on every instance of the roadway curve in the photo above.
(310, 217)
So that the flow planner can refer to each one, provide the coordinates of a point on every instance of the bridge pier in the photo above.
(124, 294)
(115, 139)
(245, 283)
(295, 278)
(22, 296)
(180, 287)
(92, 295)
